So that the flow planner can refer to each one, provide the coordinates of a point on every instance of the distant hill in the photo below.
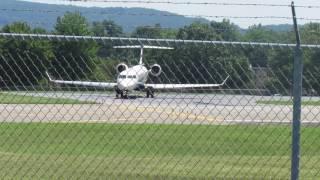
(45, 15)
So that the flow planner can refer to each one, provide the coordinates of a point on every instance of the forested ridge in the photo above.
(45, 15)
(23, 63)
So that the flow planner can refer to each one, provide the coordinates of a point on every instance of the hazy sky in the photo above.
(213, 10)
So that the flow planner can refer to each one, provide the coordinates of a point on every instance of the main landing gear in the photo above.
(124, 94)
(150, 92)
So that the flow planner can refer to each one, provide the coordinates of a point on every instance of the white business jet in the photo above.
(134, 78)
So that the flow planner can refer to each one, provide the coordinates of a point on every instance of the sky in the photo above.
(214, 10)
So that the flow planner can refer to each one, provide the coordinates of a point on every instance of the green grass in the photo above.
(11, 98)
(288, 102)
(83, 151)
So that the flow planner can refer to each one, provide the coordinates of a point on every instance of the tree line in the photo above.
(24, 63)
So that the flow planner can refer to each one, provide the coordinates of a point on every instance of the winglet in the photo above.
(224, 82)
(49, 77)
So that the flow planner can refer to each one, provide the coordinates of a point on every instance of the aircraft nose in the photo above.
(126, 85)
(121, 85)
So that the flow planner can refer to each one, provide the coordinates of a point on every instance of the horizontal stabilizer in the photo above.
(142, 46)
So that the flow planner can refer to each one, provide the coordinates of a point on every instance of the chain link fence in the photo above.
(57, 124)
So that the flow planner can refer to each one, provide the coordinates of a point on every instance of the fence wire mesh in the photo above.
(208, 109)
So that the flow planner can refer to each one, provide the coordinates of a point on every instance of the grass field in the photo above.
(83, 151)
(11, 98)
(288, 103)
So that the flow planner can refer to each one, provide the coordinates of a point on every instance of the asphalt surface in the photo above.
(165, 108)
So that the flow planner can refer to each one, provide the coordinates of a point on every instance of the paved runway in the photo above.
(166, 108)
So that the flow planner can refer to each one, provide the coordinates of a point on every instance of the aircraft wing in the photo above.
(83, 83)
(185, 86)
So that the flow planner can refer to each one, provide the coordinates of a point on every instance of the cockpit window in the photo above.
(132, 77)
(129, 76)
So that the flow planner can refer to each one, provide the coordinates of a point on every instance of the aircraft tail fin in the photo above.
(142, 47)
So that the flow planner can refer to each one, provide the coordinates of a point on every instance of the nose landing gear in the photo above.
(122, 94)
(125, 95)
(118, 92)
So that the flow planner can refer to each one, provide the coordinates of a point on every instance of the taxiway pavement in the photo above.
(166, 108)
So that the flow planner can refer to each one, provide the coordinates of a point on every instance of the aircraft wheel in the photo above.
(118, 93)
(124, 94)
(150, 93)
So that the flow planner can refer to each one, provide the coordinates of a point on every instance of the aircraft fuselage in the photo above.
(132, 78)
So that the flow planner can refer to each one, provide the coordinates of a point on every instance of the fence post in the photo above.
(297, 93)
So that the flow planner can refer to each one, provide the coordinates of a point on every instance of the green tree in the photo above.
(197, 31)
(202, 64)
(257, 33)
(23, 62)
(310, 34)
(226, 30)
(258, 57)
(280, 62)
(147, 31)
(74, 59)
(155, 31)
(72, 24)
(107, 28)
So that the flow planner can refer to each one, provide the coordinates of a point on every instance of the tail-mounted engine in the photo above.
(121, 67)
(155, 70)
